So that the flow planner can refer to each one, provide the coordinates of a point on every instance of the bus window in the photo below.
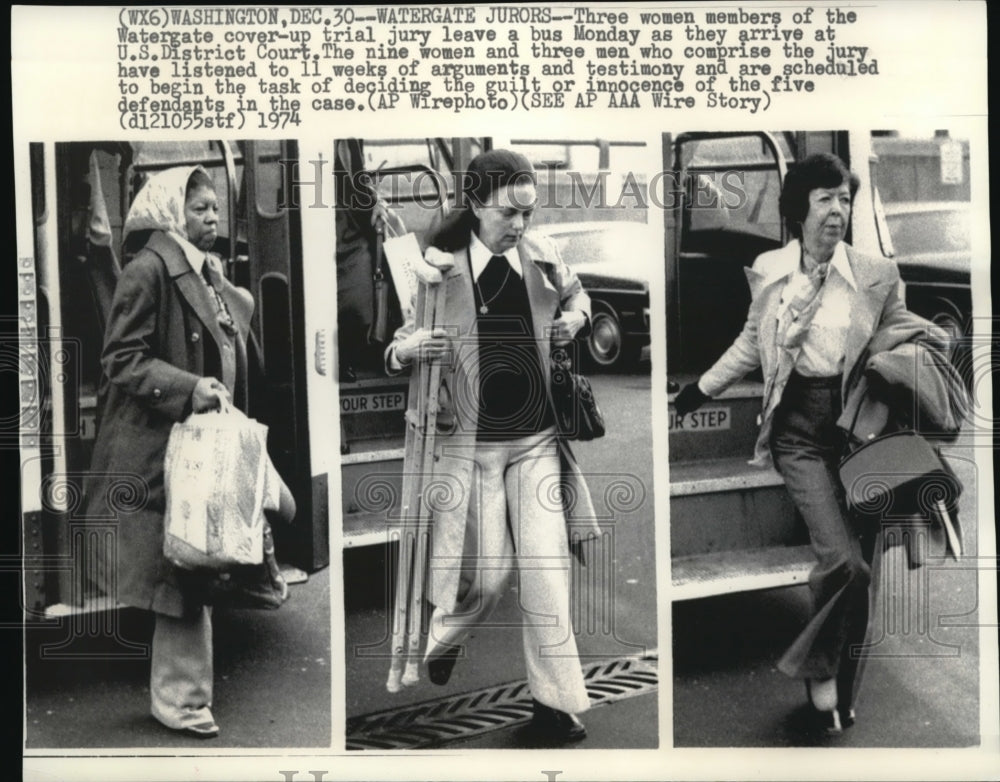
(270, 182)
(414, 178)
(730, 184)
(729, 216)
(217, 157)
(80, 195)
(597, 179)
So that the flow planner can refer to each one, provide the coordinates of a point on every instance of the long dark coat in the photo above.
(162, 336)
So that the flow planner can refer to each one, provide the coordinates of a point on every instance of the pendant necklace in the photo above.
(484, 307)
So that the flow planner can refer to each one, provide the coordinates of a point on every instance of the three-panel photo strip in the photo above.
(542, 452)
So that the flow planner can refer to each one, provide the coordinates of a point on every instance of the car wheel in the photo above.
(606, 343)
(952, 326)
(958, 351)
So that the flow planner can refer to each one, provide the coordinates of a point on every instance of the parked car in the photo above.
(613, 261)
(932, 247)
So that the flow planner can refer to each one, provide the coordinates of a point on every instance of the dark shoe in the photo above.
(439, 669)
(827, 722)
(845, 691)
(551, 726)
(824, 720)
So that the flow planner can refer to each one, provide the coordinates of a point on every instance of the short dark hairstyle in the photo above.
(495, 170)
(820, 170)
(488, 172)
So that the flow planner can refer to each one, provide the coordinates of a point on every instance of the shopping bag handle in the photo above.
(225, 407)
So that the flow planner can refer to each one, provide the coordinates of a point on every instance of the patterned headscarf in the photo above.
(159, 205)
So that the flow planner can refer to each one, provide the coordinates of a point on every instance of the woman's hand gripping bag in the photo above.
(216, 481)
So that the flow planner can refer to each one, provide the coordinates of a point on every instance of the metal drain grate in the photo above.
(435, 722)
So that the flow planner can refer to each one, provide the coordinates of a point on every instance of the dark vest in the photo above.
(512, 396)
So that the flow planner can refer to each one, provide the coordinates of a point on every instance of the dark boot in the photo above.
(439, 669)
(551, 726)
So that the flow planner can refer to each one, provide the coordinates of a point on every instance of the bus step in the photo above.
(718, 475)
(727, 572)
(91, 605)
(368, 455)
(371, 494)
(723, 426)
(365, 529)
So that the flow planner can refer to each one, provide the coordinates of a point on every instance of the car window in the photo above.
(584, 247)
(931, 231)
(598, 245)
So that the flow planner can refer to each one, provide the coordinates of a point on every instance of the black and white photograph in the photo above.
(502, 392)
(499, 530)
(178, 588)
(822, 478)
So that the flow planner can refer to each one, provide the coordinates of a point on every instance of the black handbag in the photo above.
(899, 475)
(578, 416)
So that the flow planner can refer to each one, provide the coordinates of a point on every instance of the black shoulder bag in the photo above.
(578, 416)
(897, 474)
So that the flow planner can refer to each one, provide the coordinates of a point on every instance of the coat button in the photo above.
(195, 336)
(157, 393)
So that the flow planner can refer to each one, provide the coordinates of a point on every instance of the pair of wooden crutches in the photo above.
(418, 469)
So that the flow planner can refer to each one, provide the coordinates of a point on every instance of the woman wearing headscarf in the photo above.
(175, 344)
(508, 298)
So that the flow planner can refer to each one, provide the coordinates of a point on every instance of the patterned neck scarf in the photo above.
(211, 272)
(793, 326)
(798, 316)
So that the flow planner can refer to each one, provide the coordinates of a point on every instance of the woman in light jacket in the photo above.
(815, 305)
(504, 472)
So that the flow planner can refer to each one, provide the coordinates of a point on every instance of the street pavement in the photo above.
(617, 591)
(921, 683)
(88, 688)
(273, 669)
(272, 678)
(631, 723)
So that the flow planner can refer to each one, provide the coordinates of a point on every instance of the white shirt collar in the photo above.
(480, 254)
(842, 264)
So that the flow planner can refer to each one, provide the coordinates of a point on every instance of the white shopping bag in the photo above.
(218, 481)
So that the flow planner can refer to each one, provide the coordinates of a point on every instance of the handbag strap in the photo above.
(857, 411)
(378, 272)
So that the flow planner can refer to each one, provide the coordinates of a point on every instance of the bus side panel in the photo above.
(280, 399)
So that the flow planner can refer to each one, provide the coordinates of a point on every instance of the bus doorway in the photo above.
(80, 193)
(733, 528)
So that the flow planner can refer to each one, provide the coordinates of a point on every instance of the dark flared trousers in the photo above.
(806, 446)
